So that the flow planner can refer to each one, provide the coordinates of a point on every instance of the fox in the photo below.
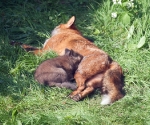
(59, 71)
(96, 70)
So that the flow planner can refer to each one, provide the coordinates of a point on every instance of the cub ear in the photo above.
(67, 51)
(70, 22)
(73, 53)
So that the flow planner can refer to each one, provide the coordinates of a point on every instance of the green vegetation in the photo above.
(122, 30)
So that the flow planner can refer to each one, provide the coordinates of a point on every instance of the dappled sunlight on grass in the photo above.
(125, 38)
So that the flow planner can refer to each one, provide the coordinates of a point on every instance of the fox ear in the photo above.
(70, 22)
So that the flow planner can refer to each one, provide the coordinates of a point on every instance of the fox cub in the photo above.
(59, 71)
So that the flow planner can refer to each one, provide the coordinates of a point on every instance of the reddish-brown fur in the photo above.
(96, 69)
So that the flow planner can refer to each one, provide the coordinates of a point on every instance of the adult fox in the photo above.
(96, 70)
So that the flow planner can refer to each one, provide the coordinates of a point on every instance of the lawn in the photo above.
(122, 29)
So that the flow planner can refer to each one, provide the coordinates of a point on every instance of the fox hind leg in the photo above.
(91, 85)
(113, 83)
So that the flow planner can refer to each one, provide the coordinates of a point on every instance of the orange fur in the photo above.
(96, 69)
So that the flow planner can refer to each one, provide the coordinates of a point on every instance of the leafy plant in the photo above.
(126, 10)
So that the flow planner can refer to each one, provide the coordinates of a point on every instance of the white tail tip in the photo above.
(105, 99)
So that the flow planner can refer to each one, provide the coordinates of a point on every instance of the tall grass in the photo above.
(125, 38)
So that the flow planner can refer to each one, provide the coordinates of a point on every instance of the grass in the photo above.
(24, 102)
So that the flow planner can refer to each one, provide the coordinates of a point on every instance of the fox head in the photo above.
(65, 27)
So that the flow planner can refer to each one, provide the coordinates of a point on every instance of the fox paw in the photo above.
(76, 97)
(74, 93)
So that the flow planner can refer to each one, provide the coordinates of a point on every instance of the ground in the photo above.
(125, 37)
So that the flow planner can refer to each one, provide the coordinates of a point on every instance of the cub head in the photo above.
(63, 27)
(74, 56)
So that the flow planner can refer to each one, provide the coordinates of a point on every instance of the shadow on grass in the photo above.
(29, 21)
(10, 87)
